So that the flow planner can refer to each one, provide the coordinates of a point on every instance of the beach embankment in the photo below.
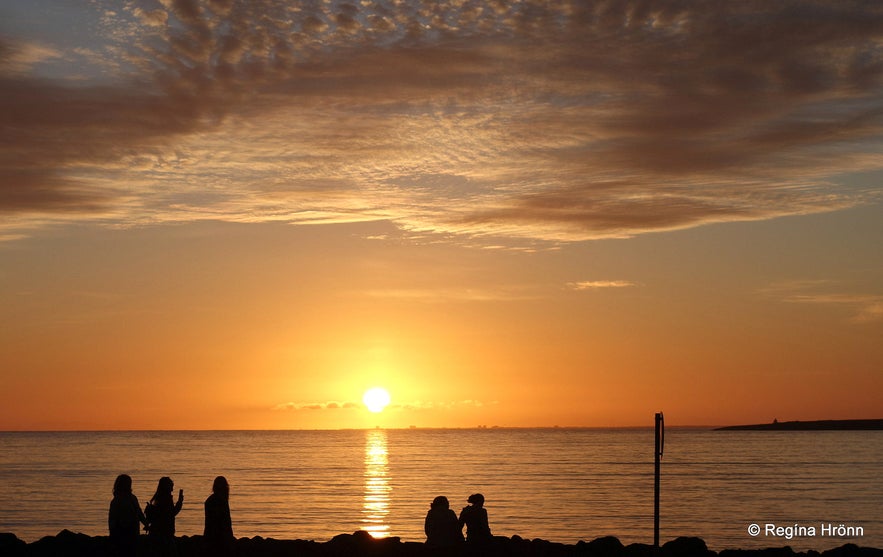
(360, 544)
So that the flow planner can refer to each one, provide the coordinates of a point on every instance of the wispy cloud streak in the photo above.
(597, 284)
(864, 307)
(299, 406)
(413, 405)
(448, 405)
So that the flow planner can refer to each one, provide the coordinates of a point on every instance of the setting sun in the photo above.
(376, 399)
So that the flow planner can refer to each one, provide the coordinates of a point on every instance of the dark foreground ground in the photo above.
(360, 544)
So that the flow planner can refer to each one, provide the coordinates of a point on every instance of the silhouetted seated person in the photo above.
(474, 517)
(124, 517)
(161, 513)
(218, 534)
(441, 525)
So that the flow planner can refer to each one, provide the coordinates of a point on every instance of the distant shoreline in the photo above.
(816, 425)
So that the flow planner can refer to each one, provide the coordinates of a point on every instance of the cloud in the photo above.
(413, 405)
(153, 18)
(596, 284)
(331, 405)
(448, 295)
(449, 405)
(21, 57)
(528, 121)
(865, 308)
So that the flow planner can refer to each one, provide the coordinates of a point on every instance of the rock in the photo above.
(11, 546)
(640, 550)
(69, 544)
(361, 544)
(607, 546)
(685, 547)
(852, 550)
(767, 552)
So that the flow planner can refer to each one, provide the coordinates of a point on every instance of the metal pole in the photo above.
(660, 442)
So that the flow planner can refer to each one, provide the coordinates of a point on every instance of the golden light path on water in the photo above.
(377, 488)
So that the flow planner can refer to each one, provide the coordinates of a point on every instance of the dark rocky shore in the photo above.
(360, 544)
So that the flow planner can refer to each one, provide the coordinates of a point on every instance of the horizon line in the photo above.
(405, 428)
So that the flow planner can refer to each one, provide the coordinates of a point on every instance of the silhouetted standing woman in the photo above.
(474, 517)
(441, 526)
(218, 534)
(124, 517)
(161, 512)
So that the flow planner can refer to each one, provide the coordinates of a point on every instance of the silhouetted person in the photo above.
(123, 517)
(218, 534)
(441, 526)
(160, 513)
(474, 517)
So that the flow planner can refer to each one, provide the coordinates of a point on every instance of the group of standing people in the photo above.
(444, 528)
(125, 518)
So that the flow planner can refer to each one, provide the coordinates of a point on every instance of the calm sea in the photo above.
(562, 485)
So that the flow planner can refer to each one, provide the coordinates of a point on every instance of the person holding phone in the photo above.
(161, 512)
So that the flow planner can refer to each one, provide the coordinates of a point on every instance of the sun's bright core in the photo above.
(376, 399)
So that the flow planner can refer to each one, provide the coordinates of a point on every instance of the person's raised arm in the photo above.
(180, 502)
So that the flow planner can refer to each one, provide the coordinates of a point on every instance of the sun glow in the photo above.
(376, 399)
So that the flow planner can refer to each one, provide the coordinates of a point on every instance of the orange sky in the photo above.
(224, 215)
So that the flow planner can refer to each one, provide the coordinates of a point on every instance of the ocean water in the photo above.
(562, 485)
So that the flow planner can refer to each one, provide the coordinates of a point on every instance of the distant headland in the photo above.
(817, 425)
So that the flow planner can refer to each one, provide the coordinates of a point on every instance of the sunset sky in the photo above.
(242, 215)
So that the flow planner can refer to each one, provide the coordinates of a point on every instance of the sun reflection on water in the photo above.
(377, 488)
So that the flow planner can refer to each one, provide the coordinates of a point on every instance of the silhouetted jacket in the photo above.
(475, 519)
(218, 525)
(161, 517)
(442, 528)
(124, 518)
